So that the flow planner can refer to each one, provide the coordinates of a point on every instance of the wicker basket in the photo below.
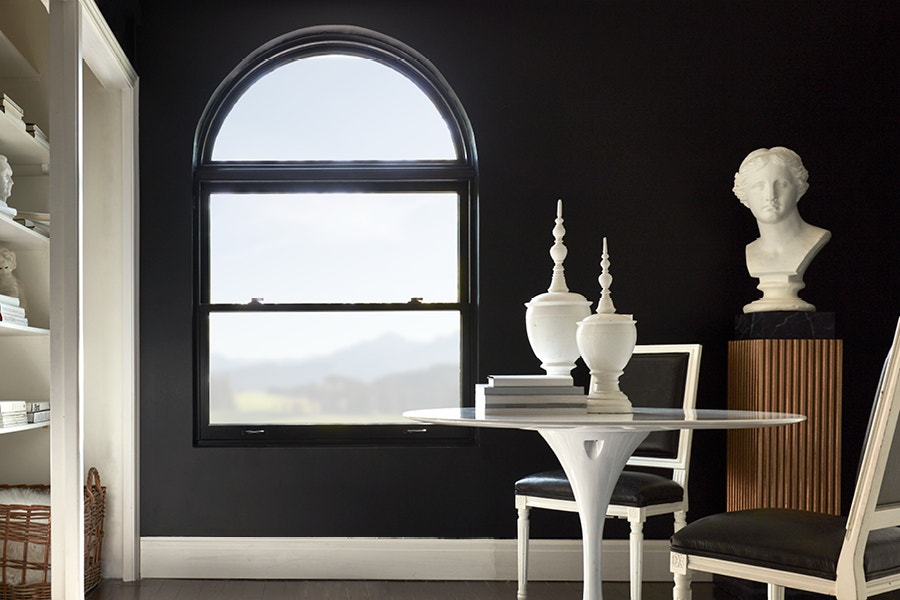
(25, 543)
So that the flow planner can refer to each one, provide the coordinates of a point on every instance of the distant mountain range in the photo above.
(365, 362)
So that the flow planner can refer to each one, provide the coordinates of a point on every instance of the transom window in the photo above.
(351, 108)
(335, 180)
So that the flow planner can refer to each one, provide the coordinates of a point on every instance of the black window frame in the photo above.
(459, 176)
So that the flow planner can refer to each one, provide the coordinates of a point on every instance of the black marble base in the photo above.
(784, 325)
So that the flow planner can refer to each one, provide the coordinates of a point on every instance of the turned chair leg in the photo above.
(775, 592)
(522, 551)
(636, 555)
(680, 519)
(682, 590)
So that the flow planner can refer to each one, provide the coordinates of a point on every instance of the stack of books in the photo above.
(37, 412)
(39, 222)
(8, 106)
(37, 133)
(10, 311)
(529, 394)
(12, 413)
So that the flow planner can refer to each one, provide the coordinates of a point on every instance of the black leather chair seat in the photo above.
(633, 488)
(788, 540)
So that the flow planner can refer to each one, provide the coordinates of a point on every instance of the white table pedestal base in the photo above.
(593, 461)
(593, 450)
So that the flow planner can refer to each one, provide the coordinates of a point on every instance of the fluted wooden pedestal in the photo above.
(798, 466)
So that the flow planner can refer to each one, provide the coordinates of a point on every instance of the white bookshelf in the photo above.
(61, 64)
(25, 350)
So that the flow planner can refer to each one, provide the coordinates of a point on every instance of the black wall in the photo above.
(637, 115)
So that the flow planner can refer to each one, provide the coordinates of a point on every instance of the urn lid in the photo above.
(558, 292)
(606, 310)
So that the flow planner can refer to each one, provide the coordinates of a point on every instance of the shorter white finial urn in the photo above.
(552, 317)
(606, 342)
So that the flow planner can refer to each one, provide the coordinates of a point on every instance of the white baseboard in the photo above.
(385, 558)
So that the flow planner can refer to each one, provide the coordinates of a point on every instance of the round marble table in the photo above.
(593, 450)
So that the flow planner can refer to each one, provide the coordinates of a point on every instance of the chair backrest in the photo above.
(876, 500)
(663, 376)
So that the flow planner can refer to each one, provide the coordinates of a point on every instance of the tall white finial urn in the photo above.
(552, 317)
(606, 342)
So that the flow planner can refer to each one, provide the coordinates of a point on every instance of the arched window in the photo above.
(335, 188)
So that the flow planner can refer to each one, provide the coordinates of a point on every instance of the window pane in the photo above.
(334, 107)
(323, 248)
(325, 368)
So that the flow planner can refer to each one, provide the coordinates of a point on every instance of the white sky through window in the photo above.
(323, 248)
(331, 247)
(334, 107)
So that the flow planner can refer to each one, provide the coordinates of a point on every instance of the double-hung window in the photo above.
(335, 186)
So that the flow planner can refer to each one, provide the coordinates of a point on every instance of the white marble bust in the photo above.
(770, 182)
(6, 180)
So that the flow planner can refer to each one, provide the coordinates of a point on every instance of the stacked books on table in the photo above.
(11, 312)
(528, 394)
(12, 413)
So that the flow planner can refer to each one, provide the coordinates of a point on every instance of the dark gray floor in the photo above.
(199, 589)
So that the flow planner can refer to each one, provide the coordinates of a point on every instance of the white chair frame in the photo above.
(635, 516)
(866, 515)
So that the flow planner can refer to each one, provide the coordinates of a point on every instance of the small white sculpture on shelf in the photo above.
(770, 182)
(551, 317)
(606, 341)
(9, 283)
(6, 185)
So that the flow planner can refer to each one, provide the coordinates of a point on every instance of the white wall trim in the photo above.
(385, 558)
(130, 265)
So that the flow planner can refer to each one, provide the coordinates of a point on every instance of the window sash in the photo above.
(209, 434)
(334, 247)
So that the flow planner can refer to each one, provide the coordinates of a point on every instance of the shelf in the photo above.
(10, 330)
(12, 63)
(25, 427)
(21, 237)
(19, 146)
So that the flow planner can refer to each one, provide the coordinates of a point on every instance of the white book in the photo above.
(14, 418)
(40, 416)
(12, 311)
(11, 300)
(12, 406)
(531, 411)
(530, 400)
(36, 132)
(517, 403)
(529, 380)
(10, 106)
(42, 228)
(537, 390)
(36, 406)
(14, 320)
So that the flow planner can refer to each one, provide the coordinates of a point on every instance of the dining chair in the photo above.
(849, 557)
(661, 376)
